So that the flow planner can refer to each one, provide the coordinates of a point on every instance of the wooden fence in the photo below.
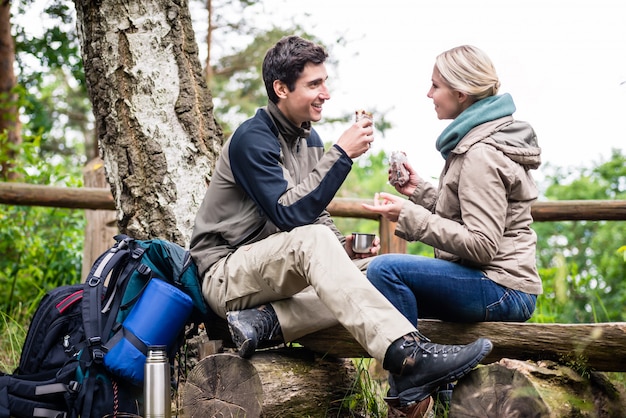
(101, 198)
(600, 345)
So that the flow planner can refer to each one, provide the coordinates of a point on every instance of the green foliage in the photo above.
(41, 248)
(367, 392)
(52, 84)
(13, 335)
(581, 263)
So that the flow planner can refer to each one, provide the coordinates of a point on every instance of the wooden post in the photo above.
(389, 242)
(101, 224)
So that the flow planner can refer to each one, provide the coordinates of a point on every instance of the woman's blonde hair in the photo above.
(469, 70)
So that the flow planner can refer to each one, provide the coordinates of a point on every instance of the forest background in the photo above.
(582, 263)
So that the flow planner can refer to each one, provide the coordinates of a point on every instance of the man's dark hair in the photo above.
(285, 61)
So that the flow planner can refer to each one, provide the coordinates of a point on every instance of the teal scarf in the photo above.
(485, 110)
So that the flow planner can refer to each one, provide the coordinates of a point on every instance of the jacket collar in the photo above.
(286, 128)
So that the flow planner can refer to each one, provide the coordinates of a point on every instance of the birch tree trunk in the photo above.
(154, 115)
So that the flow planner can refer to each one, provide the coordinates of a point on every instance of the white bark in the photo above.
(154, 116)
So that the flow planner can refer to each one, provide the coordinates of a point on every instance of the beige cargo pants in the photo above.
(312, 284)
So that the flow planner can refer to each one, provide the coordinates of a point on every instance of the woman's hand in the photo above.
(387, 205)
(409, 187)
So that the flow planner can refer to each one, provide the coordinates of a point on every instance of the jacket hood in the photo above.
(516, 139)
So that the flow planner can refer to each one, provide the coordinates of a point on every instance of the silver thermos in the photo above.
(156, 390)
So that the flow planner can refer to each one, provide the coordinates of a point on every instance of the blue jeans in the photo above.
(438, 289)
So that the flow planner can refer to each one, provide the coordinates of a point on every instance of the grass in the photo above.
(363, 399)
(13, 333)
(368, 389)
(366, 396)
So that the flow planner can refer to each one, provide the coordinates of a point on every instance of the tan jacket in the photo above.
(480, 215)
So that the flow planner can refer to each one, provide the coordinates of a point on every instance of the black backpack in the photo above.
(62, 370)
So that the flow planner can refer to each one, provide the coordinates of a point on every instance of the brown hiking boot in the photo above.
(421, 409)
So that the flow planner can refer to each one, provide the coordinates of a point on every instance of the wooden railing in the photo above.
(99, 198)
(563, 210)
(601, 345)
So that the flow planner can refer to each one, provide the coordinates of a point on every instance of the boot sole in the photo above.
(421, 392)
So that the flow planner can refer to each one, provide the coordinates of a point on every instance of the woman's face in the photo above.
(448, 103)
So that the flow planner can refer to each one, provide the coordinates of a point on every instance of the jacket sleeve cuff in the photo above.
(412, 222)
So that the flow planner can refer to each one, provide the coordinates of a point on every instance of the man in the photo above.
(272, 261)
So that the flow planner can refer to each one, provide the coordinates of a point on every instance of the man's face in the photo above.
(305, 102)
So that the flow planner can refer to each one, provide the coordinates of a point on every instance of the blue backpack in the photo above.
(85, 347)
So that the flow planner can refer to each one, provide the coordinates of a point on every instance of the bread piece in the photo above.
(398, 174)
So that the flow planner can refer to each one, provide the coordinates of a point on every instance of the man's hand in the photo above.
(374, 249)
(357, 140)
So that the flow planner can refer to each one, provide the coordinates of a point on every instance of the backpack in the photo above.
(63, 369)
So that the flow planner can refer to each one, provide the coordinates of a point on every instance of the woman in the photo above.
(478, 218)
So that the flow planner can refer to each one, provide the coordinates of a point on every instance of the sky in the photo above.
(563, 62)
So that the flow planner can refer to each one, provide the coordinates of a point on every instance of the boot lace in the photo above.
(420, 343)
(267, 326)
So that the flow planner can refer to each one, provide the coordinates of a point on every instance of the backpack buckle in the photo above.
(137, 252)
(95, 347)
(94, 281)
(144, 270)
(93, 341)
(73, 386)
(97, 356)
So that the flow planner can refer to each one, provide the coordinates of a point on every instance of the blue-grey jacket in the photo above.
(264, 183)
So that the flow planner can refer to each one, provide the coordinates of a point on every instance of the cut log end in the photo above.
(273, 383)
(512, 388)
(497, 392)
(223, 385)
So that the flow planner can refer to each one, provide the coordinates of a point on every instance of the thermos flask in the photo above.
(156, 390)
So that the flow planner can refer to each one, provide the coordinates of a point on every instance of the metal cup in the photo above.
(362, 243)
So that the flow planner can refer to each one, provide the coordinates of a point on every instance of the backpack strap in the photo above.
(118, 288)
(85, 396)
(48, 413)
(50, 389)
(92, 296)
(108, 260)
(124, 332)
